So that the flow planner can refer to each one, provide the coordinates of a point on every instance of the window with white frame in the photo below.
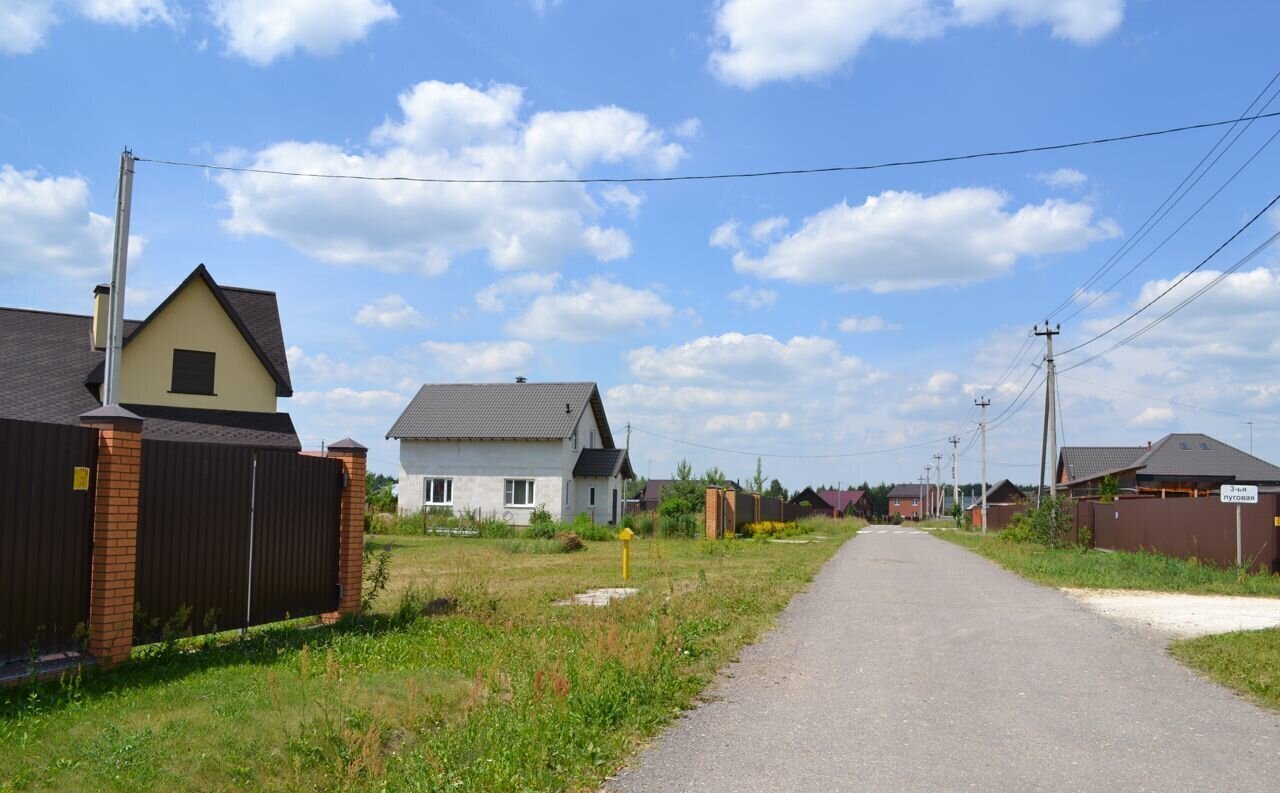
(915, 502)
(592, 436)
(437, 492)
(591, 497)
(519, 492)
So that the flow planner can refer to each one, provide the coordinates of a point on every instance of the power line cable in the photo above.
(717, 176)
(1217, 280)
(1175, 232)
(1134, 238)
(1182, 278)
(868, 453)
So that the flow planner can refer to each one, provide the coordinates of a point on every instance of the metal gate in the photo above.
(46, 536)
(230, 537)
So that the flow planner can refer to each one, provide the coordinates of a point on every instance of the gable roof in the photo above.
(1090, 462)
(910, 490)
(814, 498)
(1003, 489)
(500, 411)
(253, 312)
(841, 499)
(1196, 456)
(604, 463)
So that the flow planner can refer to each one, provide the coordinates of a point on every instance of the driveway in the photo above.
(912, 664)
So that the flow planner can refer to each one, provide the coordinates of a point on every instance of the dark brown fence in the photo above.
(1184, 527)
(744, 508)
(999, 515)
(46, 537)
(212, 518)
(770, 508)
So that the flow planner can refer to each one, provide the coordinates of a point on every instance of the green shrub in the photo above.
(495, 528)
(539, 530)
(683, 526)
(595, 532)
(642, 523)
(540, 515)
(1018, 529)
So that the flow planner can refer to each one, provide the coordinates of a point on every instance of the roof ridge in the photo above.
(247, 289)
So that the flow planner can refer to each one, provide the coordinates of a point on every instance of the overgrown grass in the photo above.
(1248, 661)
(465, 678)
(1114, 570)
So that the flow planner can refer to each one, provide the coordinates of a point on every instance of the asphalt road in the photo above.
(912, 664)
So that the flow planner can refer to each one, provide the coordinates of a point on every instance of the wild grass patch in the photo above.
(1075, 567)
(464, 677)
(1248, 661)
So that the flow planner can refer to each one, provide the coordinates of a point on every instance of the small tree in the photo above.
(1052, 521)
(684, 495)
(776, 490)
(757, 481)
(1108, 489)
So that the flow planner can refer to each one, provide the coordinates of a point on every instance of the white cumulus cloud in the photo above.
(392, 312)
(449, 131)
(1153, 417)
(25, 23)
(752, 297)
(900, 241)
(46, 225)
(494, 297)
(869, 324)
(351, 399)
(596, 309)
(480, 359)
(263, 30)
(759, 41)
(743, 358)
(1063, 177)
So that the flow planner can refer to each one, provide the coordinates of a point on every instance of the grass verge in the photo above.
(466, 677)
(1114, 570)
(1248, 661)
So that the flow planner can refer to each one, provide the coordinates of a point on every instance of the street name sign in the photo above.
(1239, 494)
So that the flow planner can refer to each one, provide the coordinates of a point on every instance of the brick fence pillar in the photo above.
(713, 512)
(350, 527)
(113, 566)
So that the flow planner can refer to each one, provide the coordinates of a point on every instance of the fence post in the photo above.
(350, 527)
(755, 516)
(113, 568)
(712, 513)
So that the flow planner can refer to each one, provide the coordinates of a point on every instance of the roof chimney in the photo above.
(1148, 445)
(101, 310)
(521, 379)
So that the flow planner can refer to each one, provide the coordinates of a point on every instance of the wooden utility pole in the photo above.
(982, 427)
(1050, 436)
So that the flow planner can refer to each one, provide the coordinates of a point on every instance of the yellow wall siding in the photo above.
(194, 320)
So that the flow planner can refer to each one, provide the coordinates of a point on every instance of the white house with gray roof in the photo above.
(504, 449)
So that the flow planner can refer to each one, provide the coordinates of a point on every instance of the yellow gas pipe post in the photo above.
(625, 535)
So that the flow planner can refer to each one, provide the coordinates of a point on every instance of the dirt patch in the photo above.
(1182, 616)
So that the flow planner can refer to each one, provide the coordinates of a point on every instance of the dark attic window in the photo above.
(192, 372)
(1184, 446)
(1204, 446)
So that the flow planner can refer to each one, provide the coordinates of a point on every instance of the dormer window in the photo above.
(192, 373)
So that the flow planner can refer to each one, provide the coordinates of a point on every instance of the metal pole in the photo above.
(119, 265)
(1239, 549)
(955, 472)
(936, 496)
(253, 494)
(982, 426)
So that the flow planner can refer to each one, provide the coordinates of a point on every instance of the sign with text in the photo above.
(1239, 494)
(79, 478)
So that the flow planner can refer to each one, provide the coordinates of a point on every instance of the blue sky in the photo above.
(801, 315)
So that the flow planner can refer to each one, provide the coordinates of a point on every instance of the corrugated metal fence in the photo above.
(230, 537)
(46, 536)
(1185, 527)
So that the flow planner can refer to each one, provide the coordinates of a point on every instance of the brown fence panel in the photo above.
(999, 515)
(295, 536)
(1184, 527)
(744, 509)
(193, 537)
(46, 536)
(771, 509)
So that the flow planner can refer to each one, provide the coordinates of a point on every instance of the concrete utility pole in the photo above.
(955, 471)
(982, 427)
(921, 501)
(937, 495)
(1050, 408)
(119, 264)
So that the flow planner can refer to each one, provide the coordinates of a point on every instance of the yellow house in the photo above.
(208, 364)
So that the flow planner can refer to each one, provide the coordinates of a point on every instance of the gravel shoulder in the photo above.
(913, 664)
(1182, 616)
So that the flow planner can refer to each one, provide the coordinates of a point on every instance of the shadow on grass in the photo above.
(156, 664)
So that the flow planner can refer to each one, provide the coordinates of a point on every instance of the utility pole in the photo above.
(119, 264)
(1050, 408)
(982, 427)
(955, 471)
(937, 495)
(921, 501)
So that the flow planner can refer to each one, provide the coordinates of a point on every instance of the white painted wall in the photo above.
(479, 470)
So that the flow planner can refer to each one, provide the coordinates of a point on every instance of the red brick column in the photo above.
(115, 533)
(714, 505)
(350, 527)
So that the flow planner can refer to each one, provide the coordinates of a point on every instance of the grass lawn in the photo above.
(1114, 570)
(465, 677)
(1248, 661)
